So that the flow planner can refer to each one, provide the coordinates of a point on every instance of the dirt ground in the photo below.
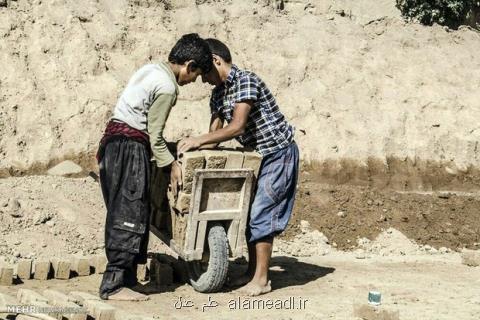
(402, 244)
(392, 200)
(58, 216)
(420, 287)
(345, 213)
(366, 84)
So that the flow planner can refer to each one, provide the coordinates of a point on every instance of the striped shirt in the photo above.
(266, 130)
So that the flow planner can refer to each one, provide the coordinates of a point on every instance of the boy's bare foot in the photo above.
(126, 294)
(254, 289)
(148, 288)
(240, 280)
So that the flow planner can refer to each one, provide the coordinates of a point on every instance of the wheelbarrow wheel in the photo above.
(210, 273)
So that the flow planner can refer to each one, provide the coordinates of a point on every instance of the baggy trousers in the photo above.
(124, 178)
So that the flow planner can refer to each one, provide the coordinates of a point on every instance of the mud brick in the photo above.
(80, 297)
(81, 266)
(99, 310)
(25, 317)
(6, 300)
(41, 269)
(179, 227)
(61, 269)
(234, 160)
(56, 297)
(160, 273)
(121, 315)
(142, 272)
(158, 187)
(98, 263)
(172, 202)
(32, 298)
(183, 202)
(252, 160)
(35, 316)
(215, 159)
(24, 269)
(27, 296)
(6, 275)
(471, 257)
(61, 300)
(180, 271)
(368, 312)
(190, 162)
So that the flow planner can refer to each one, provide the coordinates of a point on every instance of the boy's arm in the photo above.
(234, 129)
(216, 123)
(156, 119)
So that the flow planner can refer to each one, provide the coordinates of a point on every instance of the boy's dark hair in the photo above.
(192, 47)
(220, 49)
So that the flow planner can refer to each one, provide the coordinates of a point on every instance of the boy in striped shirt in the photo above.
(253, 117)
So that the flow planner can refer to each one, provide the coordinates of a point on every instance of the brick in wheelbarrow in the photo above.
(183, 202)
(252, 160)
(190, 162)
(234, 160)
(215, 159)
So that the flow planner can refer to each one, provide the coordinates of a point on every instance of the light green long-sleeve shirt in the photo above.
(146, 103)
(156, 120)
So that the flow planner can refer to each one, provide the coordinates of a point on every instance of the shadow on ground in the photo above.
(287, 271)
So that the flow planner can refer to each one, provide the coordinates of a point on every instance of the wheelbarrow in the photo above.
(212, 228)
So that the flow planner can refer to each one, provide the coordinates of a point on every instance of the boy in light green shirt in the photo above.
(134, 133)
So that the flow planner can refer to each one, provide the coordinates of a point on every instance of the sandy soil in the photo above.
(420, 279)
(420, 287)
(50, 216)
(393, 97)
(387, 122)
(442, 218)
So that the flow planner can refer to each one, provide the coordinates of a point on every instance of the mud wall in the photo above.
(369, 94)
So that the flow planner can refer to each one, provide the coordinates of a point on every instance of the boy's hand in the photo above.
(188, 144)
(176, 178)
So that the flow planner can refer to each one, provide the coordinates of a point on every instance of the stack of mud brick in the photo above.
(76, 305)
(205, 159)
(55, 268)
(162, 270)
